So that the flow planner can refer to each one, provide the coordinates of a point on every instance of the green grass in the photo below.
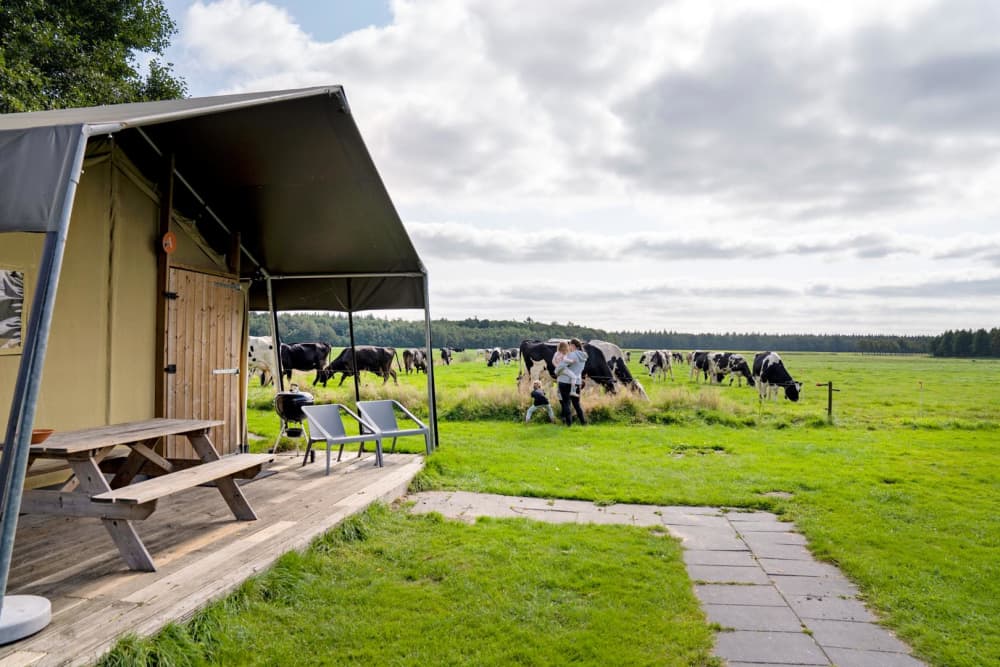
(912, 515)
(901, 491)
(388, 588)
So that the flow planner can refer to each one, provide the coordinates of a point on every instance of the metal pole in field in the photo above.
(829, 398)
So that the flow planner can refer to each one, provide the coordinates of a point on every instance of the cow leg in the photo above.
(394, 379)
(343, 376)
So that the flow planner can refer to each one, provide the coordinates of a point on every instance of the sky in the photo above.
(689, 165)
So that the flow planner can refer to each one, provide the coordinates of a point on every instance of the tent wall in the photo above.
(100, 366)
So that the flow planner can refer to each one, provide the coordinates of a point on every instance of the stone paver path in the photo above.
(752, 573)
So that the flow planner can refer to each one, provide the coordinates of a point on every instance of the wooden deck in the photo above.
(200, 551)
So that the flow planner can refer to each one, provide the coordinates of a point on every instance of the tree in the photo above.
(70, 53)
(963, 343)
(981, 343)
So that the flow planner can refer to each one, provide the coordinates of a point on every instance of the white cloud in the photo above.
(809, 152)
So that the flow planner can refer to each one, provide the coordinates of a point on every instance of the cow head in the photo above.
(792, 391)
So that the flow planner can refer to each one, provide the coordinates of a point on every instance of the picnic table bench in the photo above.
(122, 500)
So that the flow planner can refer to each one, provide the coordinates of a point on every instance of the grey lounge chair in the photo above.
(326, 423)
(383, 415)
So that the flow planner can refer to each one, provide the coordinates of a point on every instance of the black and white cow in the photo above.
(494, 356)
(261, 358)
(770, 372)
(371, 358)
(658, 362)
(701, 364)
(510, 354)
(446, 353)
(304, 357)
(678, 357)
(414, 359)
(597, 367)
(735, 367)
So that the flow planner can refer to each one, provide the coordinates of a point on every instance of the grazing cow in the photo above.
(701, 363)
(494, 357)
(511, 354)
(737, 368)
(615, 358)
(771, 374)
(446, 353)
(371, 358)
(261, 357)
(414, 359)
(678, 357)
(658, 362)
(304, 357)
(596, 368)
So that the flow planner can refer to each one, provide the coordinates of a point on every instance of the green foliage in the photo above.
(71, 53)
(967, 343)
(475, 333)
(421, 590)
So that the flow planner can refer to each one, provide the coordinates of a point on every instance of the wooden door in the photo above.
(204, 327)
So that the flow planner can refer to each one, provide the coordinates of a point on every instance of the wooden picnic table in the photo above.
(122, 500)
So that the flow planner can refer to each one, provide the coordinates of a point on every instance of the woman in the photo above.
(574, 363)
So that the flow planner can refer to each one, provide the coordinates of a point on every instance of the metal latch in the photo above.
(171, 368)
(226, 371)
(170, 295)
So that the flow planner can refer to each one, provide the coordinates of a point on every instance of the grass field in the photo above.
(901, 490)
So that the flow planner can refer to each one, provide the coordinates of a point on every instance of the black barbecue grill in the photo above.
(288, 405)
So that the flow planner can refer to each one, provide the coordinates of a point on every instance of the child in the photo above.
(574, 380)
(540, 399)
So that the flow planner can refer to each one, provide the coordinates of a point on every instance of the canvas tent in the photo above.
(268, 201)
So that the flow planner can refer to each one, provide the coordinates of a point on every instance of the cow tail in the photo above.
(395, 353)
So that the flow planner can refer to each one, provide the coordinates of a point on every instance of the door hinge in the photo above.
(171, 368)
(170, 295)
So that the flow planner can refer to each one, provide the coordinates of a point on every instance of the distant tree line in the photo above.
(967, 343)
(482, 333)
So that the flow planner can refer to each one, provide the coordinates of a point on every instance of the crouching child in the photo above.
(539, 399)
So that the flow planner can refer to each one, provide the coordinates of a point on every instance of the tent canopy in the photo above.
(288, 170)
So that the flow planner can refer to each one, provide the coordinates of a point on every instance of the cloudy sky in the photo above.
(698, 165)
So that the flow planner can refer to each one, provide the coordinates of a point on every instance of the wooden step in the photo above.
(165, 485)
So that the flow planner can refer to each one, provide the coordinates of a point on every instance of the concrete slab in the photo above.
(741, 517)
(700, 557)
(739, 595)
(763, 538)
(764, 526)
(708, 539)
(782, 552)
(801, 568)
(850, 634)
(816, 586)
(727, 574)
(746, 617)
(774, 647)
(845, 657)
(830, 607)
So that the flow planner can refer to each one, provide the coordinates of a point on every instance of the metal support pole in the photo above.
(354, 352)
(20, 615)
(274, 335)
(431, 393)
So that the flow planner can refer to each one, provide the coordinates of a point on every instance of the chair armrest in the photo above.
(410, 414)
(361, 420)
